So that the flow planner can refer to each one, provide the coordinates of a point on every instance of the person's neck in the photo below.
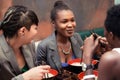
(62, 39)
(14, 42)
(116, 43)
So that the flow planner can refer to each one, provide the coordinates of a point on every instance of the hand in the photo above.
(90, 45)
(103, 46)
(36, 73)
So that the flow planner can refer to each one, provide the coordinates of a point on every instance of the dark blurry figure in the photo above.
(109, 66)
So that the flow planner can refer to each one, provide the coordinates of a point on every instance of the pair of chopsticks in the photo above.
(46, 74)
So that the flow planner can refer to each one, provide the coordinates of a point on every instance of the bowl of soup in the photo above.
(52, 73)
(82, 74)
(75, 65)
(78, 62)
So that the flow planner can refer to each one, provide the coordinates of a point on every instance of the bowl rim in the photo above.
(81, 74)
(53, 71)
(70, 62)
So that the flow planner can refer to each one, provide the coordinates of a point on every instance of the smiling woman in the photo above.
(64, 44)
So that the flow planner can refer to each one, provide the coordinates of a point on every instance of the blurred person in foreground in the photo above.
(109, 66)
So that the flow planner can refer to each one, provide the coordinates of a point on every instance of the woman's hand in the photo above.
(90, 45)
(97, 45)
(36, 73)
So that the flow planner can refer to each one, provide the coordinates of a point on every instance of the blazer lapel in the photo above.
(9, 54)
(54, 52)
(76, 48)
(28, 56)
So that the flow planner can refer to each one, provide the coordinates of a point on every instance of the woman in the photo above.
(19, 27)
(63, 45)
(109, 66)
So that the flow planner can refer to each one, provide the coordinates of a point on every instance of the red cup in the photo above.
(53, 72)
(82, 74)
(71, 62)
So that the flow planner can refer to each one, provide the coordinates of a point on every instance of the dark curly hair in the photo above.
(112, 22)
(16, 17)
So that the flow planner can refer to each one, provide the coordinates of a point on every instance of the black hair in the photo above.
(16, 17)
(58, 5)
(112, 22)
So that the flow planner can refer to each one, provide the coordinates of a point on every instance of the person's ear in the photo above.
(53, 24)
(111, 36)
(22, 32)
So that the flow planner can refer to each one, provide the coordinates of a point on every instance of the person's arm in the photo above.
(107, 66)
(19, 77)
(88, 50)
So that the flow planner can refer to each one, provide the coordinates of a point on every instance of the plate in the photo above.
(76, 62)
(81, 75)
(52, 73)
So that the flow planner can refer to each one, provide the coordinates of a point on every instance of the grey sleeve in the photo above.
(19, 77)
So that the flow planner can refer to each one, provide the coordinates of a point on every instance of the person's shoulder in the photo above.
(2, 56)
(76, 34)
(109, 58)
(109, 64)
(46, 41)
(77, 37)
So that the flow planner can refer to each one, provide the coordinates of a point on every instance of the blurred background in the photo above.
(89, 14)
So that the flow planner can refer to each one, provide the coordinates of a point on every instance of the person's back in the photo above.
(109, 66)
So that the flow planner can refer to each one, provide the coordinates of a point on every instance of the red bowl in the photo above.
(76, 62)
(52, 73)
(81, 75)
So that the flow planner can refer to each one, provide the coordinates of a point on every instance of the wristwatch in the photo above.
(86, 66)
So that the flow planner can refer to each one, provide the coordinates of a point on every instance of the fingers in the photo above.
(44, 66)
(36, 73)
(103, 40)
(81, 47)
(92, 37)
(97, 40)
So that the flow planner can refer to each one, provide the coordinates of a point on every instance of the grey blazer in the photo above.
(47, 50)
(9, 69)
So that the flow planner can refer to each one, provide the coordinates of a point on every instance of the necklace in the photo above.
(66, 52)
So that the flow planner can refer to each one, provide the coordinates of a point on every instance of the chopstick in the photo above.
(95, 35)
(46, 74)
